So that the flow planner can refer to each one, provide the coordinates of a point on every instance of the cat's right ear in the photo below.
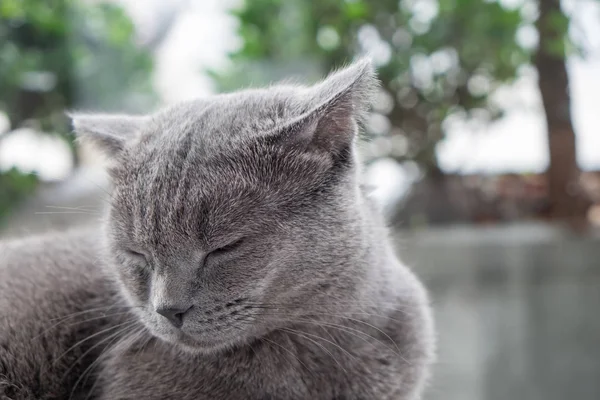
(109, 133)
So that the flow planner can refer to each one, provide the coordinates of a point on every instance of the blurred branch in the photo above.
(567, 198)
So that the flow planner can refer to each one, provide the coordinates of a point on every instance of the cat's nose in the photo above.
(173, 314)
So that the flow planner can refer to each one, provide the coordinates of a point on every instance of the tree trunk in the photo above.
(567, 200)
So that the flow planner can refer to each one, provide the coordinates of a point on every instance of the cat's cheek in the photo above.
(136, 281)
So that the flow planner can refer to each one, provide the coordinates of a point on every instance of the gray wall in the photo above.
(517, 309)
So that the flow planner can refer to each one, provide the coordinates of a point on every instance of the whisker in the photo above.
(382, 332)
(326, 331)
(113, 338)
(146, 341)
(73, 315)
(345, 301)
(290, 352)
(63, 212)
(130, 332)
(93, 336)
(74, 209)
(100, 317)
(371, 326)
(99, 343)
(78, 208)
(305, 305)
(292, 331)
(328, 341)
(254, 351)
(345, 329)
(341, 316)
(99, 309)
(37, 174)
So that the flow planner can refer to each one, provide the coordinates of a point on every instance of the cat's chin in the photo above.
(190, 344)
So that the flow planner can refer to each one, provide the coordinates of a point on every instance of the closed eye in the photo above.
(137, 254)
(227, 248)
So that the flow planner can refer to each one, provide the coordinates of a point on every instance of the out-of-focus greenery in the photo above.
(435, 58)
(438, 60)
(15, 187)
(57, 55)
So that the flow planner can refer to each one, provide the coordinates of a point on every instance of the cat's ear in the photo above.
(109, 133)
(335, 108)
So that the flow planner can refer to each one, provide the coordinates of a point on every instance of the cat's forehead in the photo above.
(215, 144)
(218, 118)
(211, 132)
(203, 165)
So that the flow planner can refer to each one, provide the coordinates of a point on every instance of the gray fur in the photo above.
(246, 210)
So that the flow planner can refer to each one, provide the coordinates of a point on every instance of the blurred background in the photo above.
(482, 147)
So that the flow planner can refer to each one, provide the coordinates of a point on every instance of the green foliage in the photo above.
(556, 42)
(112, 73)
(15, 187)
(57, 55)
(435, 57)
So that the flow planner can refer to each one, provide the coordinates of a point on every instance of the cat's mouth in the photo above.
(200, 344)
(206, 330)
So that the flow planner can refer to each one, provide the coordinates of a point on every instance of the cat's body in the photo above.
(59, 275)
(43, 280)
(248, 262)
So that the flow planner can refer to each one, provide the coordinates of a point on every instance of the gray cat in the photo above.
(241, 259)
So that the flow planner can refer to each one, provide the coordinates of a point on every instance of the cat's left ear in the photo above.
(335, 108)
(109, 133)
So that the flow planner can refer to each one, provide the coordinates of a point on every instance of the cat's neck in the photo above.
(375, 258)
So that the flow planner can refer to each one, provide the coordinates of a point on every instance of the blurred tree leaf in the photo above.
(61, 54)
(435, 58)
(15, 187)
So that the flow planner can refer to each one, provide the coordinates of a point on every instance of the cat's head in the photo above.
(238, 213)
